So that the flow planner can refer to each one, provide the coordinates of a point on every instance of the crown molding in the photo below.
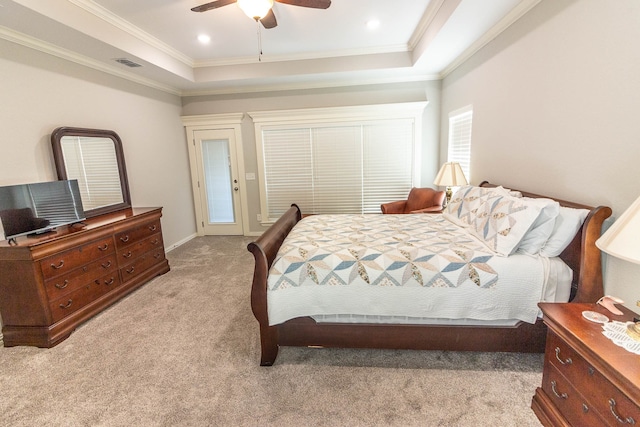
(48, 48)
(309, 86)
(516, 13)
(302, 56)
(425, 22)
(113, 19)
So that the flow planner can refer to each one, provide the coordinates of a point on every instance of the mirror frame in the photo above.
(58, 156)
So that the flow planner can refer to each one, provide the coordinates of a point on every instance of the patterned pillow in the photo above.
(502, 221)
(464, 204)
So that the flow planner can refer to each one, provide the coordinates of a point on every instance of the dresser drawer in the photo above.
(73, 301)
(133, 251)
(573, 406)
(134, 235)
(65, 283)
(614, 407)
(142, 263)
(64, 262)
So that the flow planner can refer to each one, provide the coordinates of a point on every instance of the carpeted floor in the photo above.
(184, 350)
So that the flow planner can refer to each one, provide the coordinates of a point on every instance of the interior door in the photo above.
(218, 182)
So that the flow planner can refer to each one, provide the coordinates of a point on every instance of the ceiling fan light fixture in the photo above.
(255, 9)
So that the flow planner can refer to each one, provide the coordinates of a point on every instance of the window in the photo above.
(330, 164)
(460, 139)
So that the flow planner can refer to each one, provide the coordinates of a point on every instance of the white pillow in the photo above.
(541, 230)
(567, 224)
(502, 222)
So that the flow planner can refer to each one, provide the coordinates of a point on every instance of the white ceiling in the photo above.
(310, 48)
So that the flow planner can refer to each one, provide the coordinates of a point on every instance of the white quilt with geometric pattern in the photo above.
(419, 265)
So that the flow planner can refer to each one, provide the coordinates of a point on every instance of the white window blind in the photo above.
(460, 122)
(338, 168)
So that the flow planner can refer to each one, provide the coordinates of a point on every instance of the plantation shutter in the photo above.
(350, 168)
(460, 139)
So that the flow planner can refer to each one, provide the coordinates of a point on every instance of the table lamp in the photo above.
(622, 240)
(450, 175)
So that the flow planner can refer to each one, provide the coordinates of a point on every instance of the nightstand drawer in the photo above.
(573, 406)
(602, 396)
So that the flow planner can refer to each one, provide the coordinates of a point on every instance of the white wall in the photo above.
(330, 97)
(556, 100)
(40, 92)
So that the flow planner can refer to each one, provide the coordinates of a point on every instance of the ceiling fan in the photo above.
(261, 10)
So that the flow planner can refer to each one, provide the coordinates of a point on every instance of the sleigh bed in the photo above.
(289, 326)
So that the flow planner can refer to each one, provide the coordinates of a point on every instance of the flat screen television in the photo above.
(40, 207)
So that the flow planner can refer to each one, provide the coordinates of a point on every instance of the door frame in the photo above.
(232, 121)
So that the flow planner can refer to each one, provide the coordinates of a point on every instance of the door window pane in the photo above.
(217, 172)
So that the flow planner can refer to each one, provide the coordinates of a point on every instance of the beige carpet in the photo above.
(183, 351)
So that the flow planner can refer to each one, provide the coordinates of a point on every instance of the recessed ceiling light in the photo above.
(373, 24)
(204, 39)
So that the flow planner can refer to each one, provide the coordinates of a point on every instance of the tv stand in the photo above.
(52, 283)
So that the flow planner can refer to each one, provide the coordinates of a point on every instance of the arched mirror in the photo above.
(94, 157)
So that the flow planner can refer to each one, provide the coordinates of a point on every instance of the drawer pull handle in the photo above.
(106, 264)
(60, 265)
(555, 391)
(109, 282)
(127, 255)
(155, 242)
(130, 270)
(67, 305)
(103, 248)
(153, 227)
(158, 255)
(612, 406)
(64, 285)
(567, 361)
(124, 239)
(585, 408)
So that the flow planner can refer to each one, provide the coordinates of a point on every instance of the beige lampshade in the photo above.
(255, 9)
(450, 175)
(622, 239)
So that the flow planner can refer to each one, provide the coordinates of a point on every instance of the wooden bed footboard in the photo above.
(582, 256)
(264, 250)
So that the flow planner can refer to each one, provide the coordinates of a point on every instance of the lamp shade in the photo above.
(255, 9)
(450, 175)
(622, 239)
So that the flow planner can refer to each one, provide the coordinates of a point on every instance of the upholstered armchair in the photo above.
(420, 200)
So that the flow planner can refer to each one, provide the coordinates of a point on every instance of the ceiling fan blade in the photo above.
(269, 21)
(315, 4)
(212, 5)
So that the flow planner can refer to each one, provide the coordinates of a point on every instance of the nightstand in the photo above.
(587, 379)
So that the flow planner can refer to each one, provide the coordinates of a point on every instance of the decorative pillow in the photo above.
(567, 224)
(542, 227)
(502, 222)
(464, 204)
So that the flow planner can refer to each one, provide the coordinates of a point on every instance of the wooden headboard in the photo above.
(582, 255)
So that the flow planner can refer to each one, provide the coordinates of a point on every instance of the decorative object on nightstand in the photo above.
(450, 175)
(622, 240)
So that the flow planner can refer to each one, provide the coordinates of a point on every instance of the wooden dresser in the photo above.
(587, 379)
(49, 284)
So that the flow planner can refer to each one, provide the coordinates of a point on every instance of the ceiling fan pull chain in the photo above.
(259, 41)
